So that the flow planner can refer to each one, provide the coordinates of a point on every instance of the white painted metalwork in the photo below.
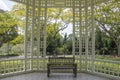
(86, 35)
(73, 37)
(93, 34)
(32, 34)
(80, 37)
(44, 29)
(25, 36)
(38, 37)
(83, 38)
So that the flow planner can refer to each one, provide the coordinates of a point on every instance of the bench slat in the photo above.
(62, 63)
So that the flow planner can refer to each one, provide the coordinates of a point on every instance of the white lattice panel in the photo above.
(60, 3)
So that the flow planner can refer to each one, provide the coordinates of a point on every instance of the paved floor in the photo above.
(54, 76)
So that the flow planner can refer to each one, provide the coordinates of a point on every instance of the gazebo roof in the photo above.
(64, 3)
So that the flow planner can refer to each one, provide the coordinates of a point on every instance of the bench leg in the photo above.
(75, 72)
(48, 72)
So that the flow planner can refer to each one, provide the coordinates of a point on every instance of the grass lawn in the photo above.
(113, 58)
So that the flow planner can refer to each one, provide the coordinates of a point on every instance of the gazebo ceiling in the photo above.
(60, 3)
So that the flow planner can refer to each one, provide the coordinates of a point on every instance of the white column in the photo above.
(93, 35)
(73, 37)
(80, 33)
(45, 24)
(32, 34)
(25, 36)
(45, 32)
(86, 35)
(38, 37)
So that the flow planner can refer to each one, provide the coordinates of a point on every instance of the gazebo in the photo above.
(83, 38)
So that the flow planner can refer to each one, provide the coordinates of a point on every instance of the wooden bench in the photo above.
(61, 63)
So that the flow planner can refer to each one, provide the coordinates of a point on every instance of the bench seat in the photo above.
(61, 63)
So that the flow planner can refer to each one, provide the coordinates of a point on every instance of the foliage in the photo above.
(108, 19)
(18, 40)
(18, 12)
(57, 20)
(18, 49)
(9, 50)
(104, 44)
(67, 41)
(4, 49)
(8, 28)
(52, 41)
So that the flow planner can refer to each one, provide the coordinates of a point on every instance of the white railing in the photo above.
(107, 67)
(17, 65)
(9, 66)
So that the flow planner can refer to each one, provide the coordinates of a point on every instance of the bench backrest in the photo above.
(61, 60)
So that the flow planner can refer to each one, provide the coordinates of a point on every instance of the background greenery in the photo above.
(107, 30)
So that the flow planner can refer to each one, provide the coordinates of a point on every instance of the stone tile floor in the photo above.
(54, 76)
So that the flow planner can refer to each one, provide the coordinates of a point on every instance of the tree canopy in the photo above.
(108, 20)
(8, 28)
(58, 19)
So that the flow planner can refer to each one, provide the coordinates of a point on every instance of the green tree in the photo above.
(8, 28)
(18, 40)
(58, 19)
(98, 41)
(18, 12)
(107, 17)
(69, 44)
(101, 42)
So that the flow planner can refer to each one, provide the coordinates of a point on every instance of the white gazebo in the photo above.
(83, 38)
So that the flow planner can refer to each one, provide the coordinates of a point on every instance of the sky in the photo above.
(6, 5)
(3, 6)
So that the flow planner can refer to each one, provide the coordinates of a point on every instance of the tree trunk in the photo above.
(2, 39)
(7, 49)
